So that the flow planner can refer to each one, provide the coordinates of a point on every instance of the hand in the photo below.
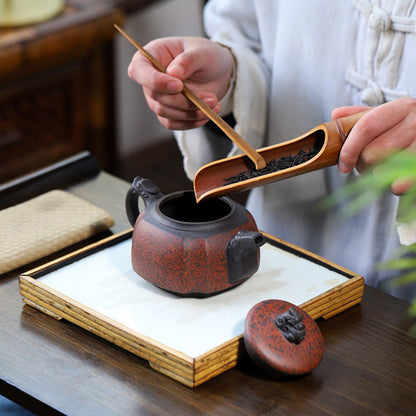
(204, 65)
(386, 129)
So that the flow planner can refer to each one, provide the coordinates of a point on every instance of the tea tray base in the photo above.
(55, 291)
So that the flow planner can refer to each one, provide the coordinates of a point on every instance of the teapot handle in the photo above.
(242, 254)
(144, 189)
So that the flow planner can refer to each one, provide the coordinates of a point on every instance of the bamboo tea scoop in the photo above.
(325, 140)
(246, 148)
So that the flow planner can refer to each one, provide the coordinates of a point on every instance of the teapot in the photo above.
(189, 248)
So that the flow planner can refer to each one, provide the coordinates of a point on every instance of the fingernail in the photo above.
(344, 168)
(174, 86)
(175, 70)
(217, 108)
(401, 186)
(210, 101)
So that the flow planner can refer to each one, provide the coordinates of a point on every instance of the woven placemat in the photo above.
(45, 224)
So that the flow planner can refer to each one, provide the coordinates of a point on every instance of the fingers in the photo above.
(181, 125)
(178, 106)
(402, 185)
(385, 129)
(184, 116)
(184, 64)
(348, 111)
(204, 65)
(398, 137)
(143, 72)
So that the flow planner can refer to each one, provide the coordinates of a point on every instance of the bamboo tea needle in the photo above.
(246, 148)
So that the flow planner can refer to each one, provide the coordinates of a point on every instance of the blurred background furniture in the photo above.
(56, 89)
(64, 89)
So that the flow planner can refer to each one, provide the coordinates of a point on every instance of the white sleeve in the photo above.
(405, 229)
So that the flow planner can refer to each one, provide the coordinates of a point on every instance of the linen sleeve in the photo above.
(236, 28)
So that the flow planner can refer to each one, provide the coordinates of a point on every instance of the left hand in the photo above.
(386, 129)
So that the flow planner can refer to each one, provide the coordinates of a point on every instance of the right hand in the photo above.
(385, 130)
(205, 67)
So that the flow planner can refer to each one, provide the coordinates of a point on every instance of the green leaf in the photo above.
(404, 279)
(399, 264)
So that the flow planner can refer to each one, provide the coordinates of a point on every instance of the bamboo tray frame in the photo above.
(187, 370)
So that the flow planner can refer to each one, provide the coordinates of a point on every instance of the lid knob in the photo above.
(282, 338)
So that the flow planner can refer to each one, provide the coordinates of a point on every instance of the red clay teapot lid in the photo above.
(283, 339)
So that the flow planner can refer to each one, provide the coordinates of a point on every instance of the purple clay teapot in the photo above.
(187, 248)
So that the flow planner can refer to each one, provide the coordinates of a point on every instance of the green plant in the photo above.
(367, 188)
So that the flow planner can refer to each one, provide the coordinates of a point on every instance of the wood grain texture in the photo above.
(191, 371)
(326, 138)
(54, 367)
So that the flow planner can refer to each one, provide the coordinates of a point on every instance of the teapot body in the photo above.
(192, 249)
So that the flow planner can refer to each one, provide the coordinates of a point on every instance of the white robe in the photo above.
(296, 61)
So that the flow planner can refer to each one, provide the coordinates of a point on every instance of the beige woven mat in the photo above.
(45, 224)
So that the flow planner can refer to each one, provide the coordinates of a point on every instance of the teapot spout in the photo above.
(243, 255)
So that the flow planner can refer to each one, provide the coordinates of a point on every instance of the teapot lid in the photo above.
(282, 338)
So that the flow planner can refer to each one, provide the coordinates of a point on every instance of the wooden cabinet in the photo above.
(57, 89)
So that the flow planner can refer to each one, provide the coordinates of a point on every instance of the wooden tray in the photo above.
(190, 340)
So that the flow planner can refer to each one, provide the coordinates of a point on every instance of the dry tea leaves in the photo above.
(273, 165)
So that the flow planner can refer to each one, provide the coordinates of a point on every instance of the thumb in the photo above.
(176, 69)
(187, 63)
(347, 111)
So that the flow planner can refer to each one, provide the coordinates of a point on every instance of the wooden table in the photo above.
(54, 367)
